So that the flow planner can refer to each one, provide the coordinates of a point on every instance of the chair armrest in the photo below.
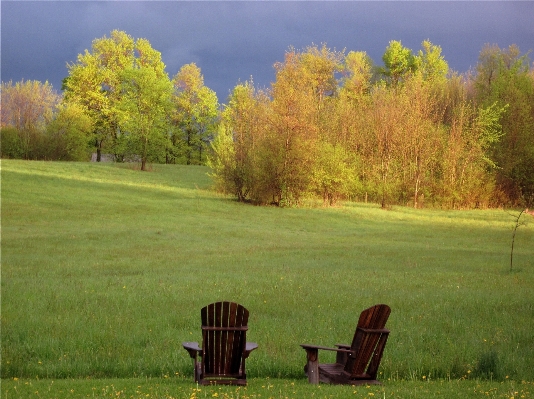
(193, 348)
(374, 330)
(315, 347)
(249, 347)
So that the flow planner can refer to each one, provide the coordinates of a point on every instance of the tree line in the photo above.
(117, 99)
(332, 125)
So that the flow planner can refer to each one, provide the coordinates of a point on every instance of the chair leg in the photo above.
(312, 365)
(198, 371)
(372, 369)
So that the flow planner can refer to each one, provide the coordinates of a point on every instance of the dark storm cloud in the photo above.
(230, 41)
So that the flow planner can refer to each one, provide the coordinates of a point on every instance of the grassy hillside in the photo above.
(105, 269)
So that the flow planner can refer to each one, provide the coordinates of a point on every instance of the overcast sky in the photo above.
(233, 40)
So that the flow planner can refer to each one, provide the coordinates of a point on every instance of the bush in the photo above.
(11, 143)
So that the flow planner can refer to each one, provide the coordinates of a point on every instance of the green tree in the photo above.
(223, 166)
(97, 83)
(144, 107)
(267, 147)
(94, 83)
(288, 153)
(334, 173)
(430, 63)
(399, 62)
(195, 115)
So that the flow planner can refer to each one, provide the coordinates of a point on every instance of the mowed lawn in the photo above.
(105, 270)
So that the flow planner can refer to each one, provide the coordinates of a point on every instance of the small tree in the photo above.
(222, 162)
(430, 63)
(333, 175)
(518, 223)
(68, 135)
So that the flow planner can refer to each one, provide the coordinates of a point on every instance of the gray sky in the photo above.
(233, 40)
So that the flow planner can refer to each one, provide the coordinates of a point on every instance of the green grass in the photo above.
(105, 269)
(180, 388)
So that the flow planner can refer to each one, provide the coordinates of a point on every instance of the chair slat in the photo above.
(217, 363)
(230, 342)
(365, 343)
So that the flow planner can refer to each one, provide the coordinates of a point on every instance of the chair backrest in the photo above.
(368, 337)
(224, 327)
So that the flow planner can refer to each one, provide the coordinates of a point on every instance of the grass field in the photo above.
(105, 269)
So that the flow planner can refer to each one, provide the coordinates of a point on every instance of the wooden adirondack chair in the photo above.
(221, 359)
(356, 364)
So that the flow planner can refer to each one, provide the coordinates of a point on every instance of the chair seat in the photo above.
(332, 372)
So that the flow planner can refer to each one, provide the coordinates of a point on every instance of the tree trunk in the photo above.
(189, 133)
(416, 193)
(144, 156)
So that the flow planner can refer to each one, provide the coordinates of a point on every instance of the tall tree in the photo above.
(94, 83)
(302, 99)
(386, 119)
(421, 136)
(290, 146)
(234, 161)
(144, 107)
(195, 115)
(321, 65)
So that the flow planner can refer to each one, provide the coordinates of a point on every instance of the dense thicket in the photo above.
(411, 132)
(332, 125)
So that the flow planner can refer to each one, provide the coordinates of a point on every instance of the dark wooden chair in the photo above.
(356, 364)
(221, 359)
